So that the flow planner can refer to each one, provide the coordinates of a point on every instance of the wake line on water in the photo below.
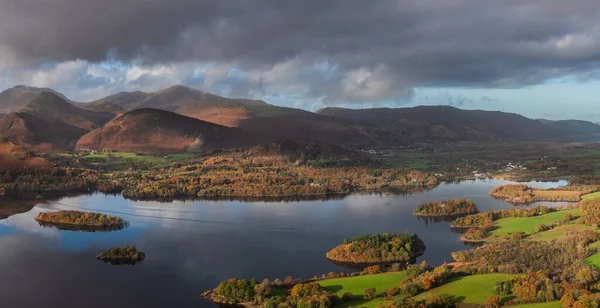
(139, 215)
(52, 203)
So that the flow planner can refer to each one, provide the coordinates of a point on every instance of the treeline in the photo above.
(449, 207)
(273, 170)
(233, 174)
(378, 248)
(540, 286)
(46, 181)
(590, 212)
(249, 291)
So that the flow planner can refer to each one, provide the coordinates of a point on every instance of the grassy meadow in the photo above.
(538, 305)
(125, 160)
(469, 289)
(357, 284)
(591, 196)
(508, 226)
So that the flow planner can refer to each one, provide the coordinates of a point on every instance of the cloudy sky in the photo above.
(536, 57)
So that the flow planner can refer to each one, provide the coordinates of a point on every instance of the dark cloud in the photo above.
(380, 48)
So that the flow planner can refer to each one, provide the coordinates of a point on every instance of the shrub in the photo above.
(288, 281)
(391, 292)
(346, 297)
(517, 236)
(493, 301)
(306, 289)
(410, 290)
(374, 269)
(541, 228)
(370, 293)
(235, 291)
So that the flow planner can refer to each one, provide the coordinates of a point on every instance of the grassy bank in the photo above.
(591, 196)
(538, 305)
(356, 285)
(469, 289)
(508, 226)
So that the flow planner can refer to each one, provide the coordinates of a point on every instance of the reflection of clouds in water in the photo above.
(26, 223)
(68, 279)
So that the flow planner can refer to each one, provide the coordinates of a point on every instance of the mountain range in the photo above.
(182, 119)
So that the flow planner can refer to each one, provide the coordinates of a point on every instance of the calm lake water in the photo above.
(192, 246)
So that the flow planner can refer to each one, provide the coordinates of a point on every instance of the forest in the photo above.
(267, 171)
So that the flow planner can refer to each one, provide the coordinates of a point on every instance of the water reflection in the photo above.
(12, 207)
(190, 246)
(81, 228)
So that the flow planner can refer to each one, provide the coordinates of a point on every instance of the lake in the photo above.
(191, 246)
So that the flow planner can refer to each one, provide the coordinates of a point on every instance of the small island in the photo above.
(125, 255)
(80, 221)
(378, 248)
(447, 208)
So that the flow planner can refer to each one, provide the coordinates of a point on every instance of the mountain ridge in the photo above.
(352, 128)
(49, 123)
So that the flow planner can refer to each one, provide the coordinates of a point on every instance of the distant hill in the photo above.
(16, 156)
(201, 105)
(157, 131)
(429, 123)
(574, 130)
(50, 105)
(49, 123)
(102, 106)
(13, 99)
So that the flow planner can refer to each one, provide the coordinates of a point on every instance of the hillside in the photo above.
(14, 99)
(49, 123)
(102, 106)
(574, 130)
(39, 133)
(50, 105)
(15, 156)
(157, 131)
(428, 123)
(201, 105)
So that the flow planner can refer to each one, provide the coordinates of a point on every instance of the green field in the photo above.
(593, 260)
(124, 160)
(507, 226)
(539, 305)
(469, 289)
(356, 285)
(591, 196)
(557, 232)
(412, 160)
